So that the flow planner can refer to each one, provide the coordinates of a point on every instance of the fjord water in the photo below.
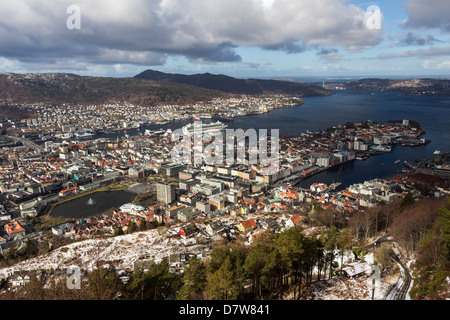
(433, 113)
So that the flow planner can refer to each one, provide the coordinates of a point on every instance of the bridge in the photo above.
(27, 143)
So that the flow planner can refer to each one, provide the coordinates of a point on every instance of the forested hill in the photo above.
(59, 88)
(237, 86)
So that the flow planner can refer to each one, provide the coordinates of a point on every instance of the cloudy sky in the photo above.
(242, 38)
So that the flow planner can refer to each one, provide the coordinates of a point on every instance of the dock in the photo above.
(409, 165)
(332, 187)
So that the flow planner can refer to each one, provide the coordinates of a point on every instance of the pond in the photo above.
(92, 204)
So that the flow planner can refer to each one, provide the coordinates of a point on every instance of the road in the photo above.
(27, 143)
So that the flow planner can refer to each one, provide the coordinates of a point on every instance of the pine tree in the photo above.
(221, 284)
(194, 281)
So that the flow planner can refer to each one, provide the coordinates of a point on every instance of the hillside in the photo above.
(237, 86)
(432, 87)
(58, 88)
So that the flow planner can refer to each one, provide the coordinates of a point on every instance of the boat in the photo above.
(206, 117)
(223, 118)
(397, 161)
(204, 127)
(408, 165)
(84, 133)
(436, 152)
(149, 132)
(381, 148)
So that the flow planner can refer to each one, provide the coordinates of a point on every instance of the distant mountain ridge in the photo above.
(236, 86)
(59, 88)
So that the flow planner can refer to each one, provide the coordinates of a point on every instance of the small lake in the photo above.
(92, 204)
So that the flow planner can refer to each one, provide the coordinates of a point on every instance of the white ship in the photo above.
(149, 132)
(85, 133)
(204, 127)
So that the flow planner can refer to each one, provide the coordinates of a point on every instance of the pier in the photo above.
(332, 187)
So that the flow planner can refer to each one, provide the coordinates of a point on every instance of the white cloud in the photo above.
(433, 65)
(421, 53)
(146, 32)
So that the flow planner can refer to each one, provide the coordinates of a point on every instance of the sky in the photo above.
(240, 38)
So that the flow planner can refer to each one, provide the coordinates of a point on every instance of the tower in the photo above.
(165, 193)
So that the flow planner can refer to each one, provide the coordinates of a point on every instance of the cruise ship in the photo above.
(204, 127)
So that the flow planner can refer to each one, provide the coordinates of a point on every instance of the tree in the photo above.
(330, 245)
(343, 243)
(412, 224)
(118, 231)
(290, 245)
(155, 284)
(428, 250)
(444, 223)
(218, 256)
(407, 201)
(34, 289)
(383, 255)
(221, 284)
(132, 227)
(102, 284)
(254, 266)
(31, 249)
(194, 281)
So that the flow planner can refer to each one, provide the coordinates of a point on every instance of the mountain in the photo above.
(236, 86)
(58, 88)
(430, 87)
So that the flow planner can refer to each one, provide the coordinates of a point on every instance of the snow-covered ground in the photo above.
(120, 252)
(341, 288)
